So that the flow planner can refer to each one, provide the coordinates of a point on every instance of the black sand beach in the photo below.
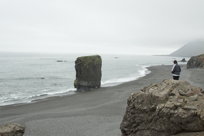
(94, 113)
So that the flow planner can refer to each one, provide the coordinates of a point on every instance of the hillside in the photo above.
(191, 49)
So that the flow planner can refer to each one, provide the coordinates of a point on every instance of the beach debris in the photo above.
(88, 72)
(167, 108)
(12, 129)
(196, 62)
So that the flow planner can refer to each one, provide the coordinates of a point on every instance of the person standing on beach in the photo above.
(176, 70)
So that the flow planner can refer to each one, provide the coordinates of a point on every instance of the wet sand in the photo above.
(93, 113)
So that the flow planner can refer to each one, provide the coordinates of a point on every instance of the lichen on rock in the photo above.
(168, 108)
(88, 72)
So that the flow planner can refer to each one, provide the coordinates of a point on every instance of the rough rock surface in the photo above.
(190, 134)
(168, 108)
(88, 72)
(11, 130)
(196, 62)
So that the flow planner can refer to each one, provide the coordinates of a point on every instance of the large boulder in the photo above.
(12, 130)
(196, 62)
(88, 72)
(168, 108)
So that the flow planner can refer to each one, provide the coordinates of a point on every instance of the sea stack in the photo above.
(164, 109)
(88, 72)
(196, 62)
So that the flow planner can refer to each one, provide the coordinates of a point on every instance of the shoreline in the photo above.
(148, 71)
(94, 113)
(74, 92)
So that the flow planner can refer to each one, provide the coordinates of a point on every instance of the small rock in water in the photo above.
(61, 61)
(183, 60)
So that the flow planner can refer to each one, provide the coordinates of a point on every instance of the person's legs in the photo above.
(176, 77)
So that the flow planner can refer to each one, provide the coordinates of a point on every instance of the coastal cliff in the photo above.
(190, 49)
(196, 62)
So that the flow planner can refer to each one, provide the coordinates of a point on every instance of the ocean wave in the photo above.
(21, 98)
(116, 81)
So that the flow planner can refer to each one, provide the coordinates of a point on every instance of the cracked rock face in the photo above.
(168, 108)
(88, 72)
(12, 130)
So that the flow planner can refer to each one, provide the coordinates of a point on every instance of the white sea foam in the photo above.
(116, 81)
(62, 92)
(19, 98)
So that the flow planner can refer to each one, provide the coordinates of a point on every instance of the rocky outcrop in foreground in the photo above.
(88, 72)
(11, 130)
(168, 108)
(196, 62)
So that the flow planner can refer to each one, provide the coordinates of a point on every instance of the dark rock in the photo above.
(196, 62)
(61, 61)
(183, 60)
(88, 72)
(12, 130)
(168, 108)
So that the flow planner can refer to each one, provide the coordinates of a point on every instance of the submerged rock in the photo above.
(61, 61)
(196, 62)
(12, 130)
(88, 72)
(168, 108)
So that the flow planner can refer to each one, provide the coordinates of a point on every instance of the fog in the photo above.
(105, 26)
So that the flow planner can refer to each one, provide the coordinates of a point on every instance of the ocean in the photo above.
(26, 78)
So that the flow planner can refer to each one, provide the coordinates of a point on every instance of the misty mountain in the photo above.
(190, 49)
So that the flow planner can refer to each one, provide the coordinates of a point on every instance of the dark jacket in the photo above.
(176, 70)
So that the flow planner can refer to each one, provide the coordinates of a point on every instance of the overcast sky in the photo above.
(100, 26)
